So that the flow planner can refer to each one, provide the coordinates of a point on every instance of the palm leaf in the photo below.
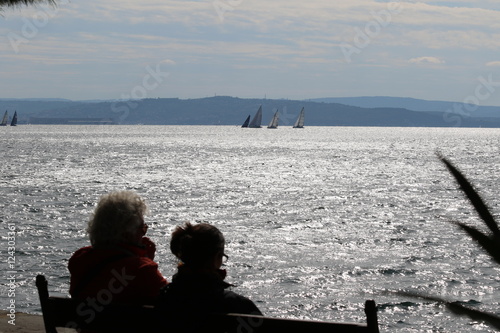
(473, 197)
(489, 244)
(459, 309)
(17, 3)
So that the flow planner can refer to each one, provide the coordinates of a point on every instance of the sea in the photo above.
(316, 220)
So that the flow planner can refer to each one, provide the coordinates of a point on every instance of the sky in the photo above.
(110, 49)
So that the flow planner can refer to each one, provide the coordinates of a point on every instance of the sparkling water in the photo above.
(316, 220)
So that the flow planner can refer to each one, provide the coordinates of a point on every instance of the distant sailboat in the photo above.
(300, 120)
(257, 119)
(274, 121)
(245, 124)
(14, 119)
(5, 119)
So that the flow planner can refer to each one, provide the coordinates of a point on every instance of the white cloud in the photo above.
(167, 61)
(426, 60)
(453, 39)
(493, 64)
(432, 15)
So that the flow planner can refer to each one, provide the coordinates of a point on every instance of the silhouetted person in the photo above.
(118, 266)
(199, 284)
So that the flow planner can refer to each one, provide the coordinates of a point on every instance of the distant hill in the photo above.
(413, 104)
(223, 110)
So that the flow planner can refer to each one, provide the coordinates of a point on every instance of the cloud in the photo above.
(259, 44)
(439, 16)
(167, 62)
(426, 60)
(444, 39)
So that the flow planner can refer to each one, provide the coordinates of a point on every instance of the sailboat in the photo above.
(14, 119)
(274, 121)
(5, 119)
(245, 124)
(257, 119)
(300, 120)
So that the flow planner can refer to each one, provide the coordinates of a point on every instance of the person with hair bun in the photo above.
(118, 266)
(198, 285)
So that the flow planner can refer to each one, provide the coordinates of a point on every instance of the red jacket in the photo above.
(123, 274)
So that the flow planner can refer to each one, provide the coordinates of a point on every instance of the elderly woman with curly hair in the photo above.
(118, 266)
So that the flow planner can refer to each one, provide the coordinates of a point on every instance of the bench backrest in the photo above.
(67, 312)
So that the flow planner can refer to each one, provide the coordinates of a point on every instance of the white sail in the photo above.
(274, 121)
(257, 119)
(5, 119)
(300, 120)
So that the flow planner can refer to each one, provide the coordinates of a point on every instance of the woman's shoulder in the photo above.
(82, 251)
(240, 304)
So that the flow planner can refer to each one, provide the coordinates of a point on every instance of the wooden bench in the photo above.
(67, 312)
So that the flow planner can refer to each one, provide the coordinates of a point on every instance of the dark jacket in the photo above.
(203, 292)
(124, 274)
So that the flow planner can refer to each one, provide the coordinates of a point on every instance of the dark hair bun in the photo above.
(196, 244)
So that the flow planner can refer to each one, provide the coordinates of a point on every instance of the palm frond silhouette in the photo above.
(489, 242)
(18, 3)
